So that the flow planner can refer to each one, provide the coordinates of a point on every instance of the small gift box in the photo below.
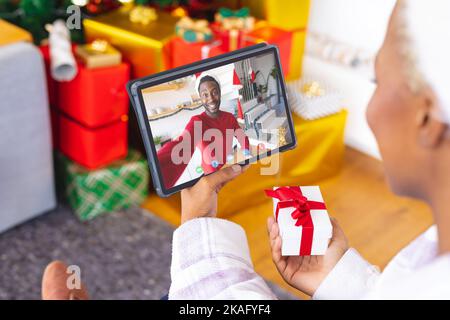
(95, 97)
(91, 193)
(232, 26)
(187, 52)
(305, 227)
(97, 54)
(193, 42)
(193, 30)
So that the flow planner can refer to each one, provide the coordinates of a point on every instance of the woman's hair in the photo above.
(422, 31)
(208, 78)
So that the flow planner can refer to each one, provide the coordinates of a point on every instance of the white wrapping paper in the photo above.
(62, 62)
(291, 235)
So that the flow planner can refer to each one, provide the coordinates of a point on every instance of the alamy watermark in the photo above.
(73, 21)
(73, 281)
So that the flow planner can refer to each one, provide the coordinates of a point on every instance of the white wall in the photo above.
(362, 24)
(358, 22)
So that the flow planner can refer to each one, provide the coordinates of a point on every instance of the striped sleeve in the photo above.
(211, 260)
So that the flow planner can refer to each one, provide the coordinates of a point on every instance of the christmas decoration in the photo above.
(62, 62)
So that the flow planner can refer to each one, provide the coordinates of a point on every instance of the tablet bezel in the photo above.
(135, 88)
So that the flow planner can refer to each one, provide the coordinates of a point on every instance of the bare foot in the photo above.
(54, 284)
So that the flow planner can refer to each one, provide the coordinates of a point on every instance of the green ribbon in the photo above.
(228, 13)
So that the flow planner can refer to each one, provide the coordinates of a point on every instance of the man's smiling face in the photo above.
(210, 95)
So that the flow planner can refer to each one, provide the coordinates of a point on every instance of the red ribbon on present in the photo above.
(292, 197)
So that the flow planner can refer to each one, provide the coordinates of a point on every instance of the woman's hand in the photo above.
(201, 199)
(306, 273)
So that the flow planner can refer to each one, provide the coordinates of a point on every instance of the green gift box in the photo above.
(90, 193)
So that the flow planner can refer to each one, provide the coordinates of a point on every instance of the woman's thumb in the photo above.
(219, 178)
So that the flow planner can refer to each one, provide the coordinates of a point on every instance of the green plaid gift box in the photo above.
(92, 192)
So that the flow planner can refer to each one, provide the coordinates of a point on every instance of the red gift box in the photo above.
(51, 84)
(187, 52)
(97, 96)
(93, 147)
(230, 39)
(276, 36)
(55, 128)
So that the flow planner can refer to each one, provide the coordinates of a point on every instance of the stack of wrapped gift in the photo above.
(96, 172)
(90, 112)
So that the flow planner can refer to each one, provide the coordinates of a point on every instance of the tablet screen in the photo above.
(216, 118)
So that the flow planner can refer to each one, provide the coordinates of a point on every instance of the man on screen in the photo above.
(211, 132)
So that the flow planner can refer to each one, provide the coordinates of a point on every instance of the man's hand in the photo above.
(306, 273)
(201, 199)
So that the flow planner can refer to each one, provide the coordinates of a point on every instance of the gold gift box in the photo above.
(98, 54)
(285, 14)
(11, 33)
(144, 46)
(318, 155)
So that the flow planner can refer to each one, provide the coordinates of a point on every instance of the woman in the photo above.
(410, 115)
(214, 152)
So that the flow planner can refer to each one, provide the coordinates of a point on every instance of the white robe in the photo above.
(211, 260)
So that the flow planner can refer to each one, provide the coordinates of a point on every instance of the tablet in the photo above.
(200, 118)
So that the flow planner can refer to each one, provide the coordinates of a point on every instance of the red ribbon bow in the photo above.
(293, 197)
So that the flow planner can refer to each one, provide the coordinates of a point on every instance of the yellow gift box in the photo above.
(291, 15)
(297, 52)
(285, 14)
(318, 155)
(98, 54)
(142, 38)
(10, 33)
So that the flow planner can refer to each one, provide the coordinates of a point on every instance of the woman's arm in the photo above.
(352, 278)
(211, 260)
(210, 256)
